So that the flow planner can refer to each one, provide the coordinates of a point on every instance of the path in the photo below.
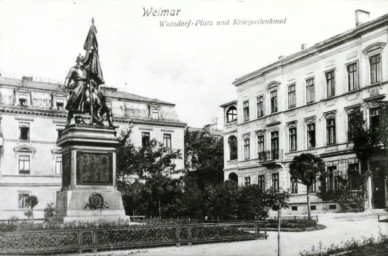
(340, 227)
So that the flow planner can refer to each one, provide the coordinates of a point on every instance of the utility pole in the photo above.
(279, 222)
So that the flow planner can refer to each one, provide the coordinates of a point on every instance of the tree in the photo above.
(365, 141)
(305, 168)
(252, 202)
(204, 156)
(223, 200)
(154, 166)
(31, 201)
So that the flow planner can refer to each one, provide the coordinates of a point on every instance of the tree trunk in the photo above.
(308, 203)
(160, 210)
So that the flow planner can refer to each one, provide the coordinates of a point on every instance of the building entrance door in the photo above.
(378, 184)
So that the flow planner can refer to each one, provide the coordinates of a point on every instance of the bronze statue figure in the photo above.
(83, 82)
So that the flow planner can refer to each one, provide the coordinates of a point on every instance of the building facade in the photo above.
(32, 113)
(303, 103)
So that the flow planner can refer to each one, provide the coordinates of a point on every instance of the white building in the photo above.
(301, 104)
(31, 115)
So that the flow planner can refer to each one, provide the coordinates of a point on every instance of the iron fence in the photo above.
(129, 237)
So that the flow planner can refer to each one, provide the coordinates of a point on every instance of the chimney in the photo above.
(303, 46)
(361, 17)
(26, 80)
(280, 57)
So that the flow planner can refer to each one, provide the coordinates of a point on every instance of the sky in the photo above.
(193, 67)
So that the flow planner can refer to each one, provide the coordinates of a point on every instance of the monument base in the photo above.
(89, 206)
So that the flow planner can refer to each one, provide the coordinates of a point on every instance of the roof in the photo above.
(129, 96)
(206, 129)
(328, 43)
(28, 82)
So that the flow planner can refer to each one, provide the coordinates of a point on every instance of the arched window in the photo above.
(232, 141)
(233, 176)
(231, 114)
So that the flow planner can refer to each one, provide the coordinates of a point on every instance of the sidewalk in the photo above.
(340, 227)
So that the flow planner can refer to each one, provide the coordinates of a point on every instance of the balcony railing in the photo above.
(270, 155)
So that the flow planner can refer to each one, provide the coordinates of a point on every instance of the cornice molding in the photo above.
(63, 114)
(24, 149)
(374, 48)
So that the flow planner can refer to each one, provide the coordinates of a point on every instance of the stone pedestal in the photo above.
(88, 176)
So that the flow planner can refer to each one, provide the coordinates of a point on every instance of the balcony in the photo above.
(270, 155)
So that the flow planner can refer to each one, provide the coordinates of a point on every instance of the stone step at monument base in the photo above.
(89, 206)
(117, 219)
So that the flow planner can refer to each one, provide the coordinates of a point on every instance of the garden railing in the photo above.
(128, 237)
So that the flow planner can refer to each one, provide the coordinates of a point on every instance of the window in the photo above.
(261, 182)
(292, 134)
(294, 186)
(313, 207)
(332, 206)
(247, 181)
(167, 140)
(353, 174)
(246, 148)
(24, 164)
(275, 181)
(375, 68)
(260, 106)
(311, 135)
(313, 188)
(275, 145)
(274, 101)
(24, 131)
(330, 130)
(310, 91)
(58, 165)
(22, 201)
(155, 114)
(294, 208)
(231, 114)
(59, 105)
(246, 110)
(291, 96)
(330, 83)
(332, 179)
(353, 83)
(374, 120)
(232, 141)
(350, 128)
(22, 102)
(145, 139)
(260, 145)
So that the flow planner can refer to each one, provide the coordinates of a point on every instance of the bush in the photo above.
(49, 211)
(28, 214)
(292, 223)
(368, 246)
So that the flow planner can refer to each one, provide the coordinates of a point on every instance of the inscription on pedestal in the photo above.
(94, 168)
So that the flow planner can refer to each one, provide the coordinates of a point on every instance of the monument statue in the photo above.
(83, 82)
(89, 190)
